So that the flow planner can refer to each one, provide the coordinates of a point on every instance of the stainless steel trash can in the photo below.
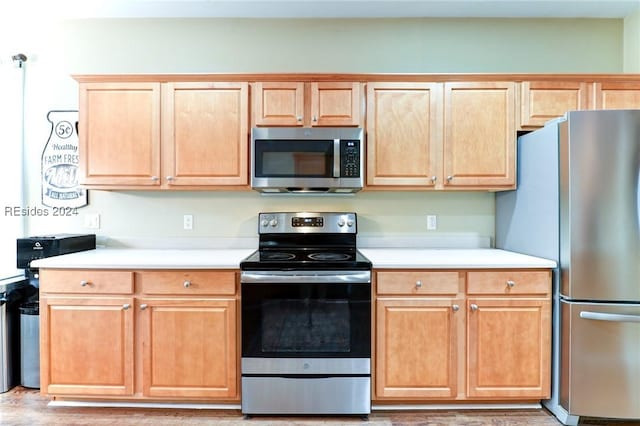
(30, 345)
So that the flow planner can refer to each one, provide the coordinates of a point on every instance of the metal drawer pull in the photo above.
(418, 284)
(599, 316)
(84, 283)
(474, 307)
(143, 306)
(455, 308)
(511, 283)
(187, 284)
(126, 306)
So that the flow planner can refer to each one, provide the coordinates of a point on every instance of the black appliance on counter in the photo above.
(28, 250)
(306, 317)
(39, 247)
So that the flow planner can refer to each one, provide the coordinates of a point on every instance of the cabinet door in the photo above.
(119, 134)
(617, 95)
(278, 104)
(509, 347)
(205, 133)
(403, 134)
(542, 101)
(335, 104)
(189, 348)
(87, 346)
(417, 347)
(480, 135)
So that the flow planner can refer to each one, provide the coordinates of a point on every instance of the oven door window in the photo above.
(312, 320)
(285, 158)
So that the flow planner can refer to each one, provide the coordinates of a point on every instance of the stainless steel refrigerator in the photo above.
(578, 203)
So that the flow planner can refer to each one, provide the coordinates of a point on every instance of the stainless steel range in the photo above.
(306, 317)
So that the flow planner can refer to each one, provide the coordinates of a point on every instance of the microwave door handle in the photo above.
(336, 158)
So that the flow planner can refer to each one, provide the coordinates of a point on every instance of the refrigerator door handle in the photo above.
(599, 316)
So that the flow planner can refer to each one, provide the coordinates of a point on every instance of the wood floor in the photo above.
(25, 407)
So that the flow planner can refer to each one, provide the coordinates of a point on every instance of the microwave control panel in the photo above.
(349, 158)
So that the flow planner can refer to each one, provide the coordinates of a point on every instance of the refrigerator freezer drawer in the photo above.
(600, 357)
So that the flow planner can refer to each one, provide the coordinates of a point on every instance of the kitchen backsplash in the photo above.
(234, 214)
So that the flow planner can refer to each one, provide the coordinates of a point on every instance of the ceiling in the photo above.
(330, 8)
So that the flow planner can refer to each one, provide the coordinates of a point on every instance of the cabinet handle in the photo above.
(299, 118)
(434, 179)
(126, 306)
(455, 308)
(315, 119)
(155, 178)
(187, 284)
(418, 284)
(474, 307)
(511, 283)
(450, 178)
(84, 283)
(170, 178)
(143, 306)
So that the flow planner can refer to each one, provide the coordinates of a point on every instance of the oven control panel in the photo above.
(307, 222)
(297, 221)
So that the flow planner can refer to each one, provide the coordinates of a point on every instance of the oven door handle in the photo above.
(305, 277)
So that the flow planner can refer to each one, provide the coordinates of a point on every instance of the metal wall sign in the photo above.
(60, 163)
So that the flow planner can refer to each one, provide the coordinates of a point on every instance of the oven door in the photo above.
(323, 314)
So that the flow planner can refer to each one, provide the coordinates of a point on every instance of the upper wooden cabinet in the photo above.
(441, 136)
(424, 132)
(168, 135)
(307, 104)
(541, 101)
(479, 135)
(205, 134)
(119, 134)
(617, 95)
(404, 134)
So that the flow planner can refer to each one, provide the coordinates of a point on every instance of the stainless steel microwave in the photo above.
(307, 160)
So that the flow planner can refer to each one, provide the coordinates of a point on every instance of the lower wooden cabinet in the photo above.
(483, 336)
(417, 343)
(189, 348)
(508, 348)
(173, 336)
(87, 346)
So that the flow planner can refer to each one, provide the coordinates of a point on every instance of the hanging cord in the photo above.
(21, 58)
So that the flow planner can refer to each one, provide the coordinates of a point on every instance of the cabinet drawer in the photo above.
(509, 282)
(417, 282)
(86, 281)
(187, 282)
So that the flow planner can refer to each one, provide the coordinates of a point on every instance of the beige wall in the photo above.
(57, 50)
(632, 43)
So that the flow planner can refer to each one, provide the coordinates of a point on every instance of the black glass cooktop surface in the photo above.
(290, 259)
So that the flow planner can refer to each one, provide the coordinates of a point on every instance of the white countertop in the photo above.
(214, 258)
(479, 258)
(135, 258)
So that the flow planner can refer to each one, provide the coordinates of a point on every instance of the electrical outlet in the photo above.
(187, 222)
(432, 222)
(92, 220)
